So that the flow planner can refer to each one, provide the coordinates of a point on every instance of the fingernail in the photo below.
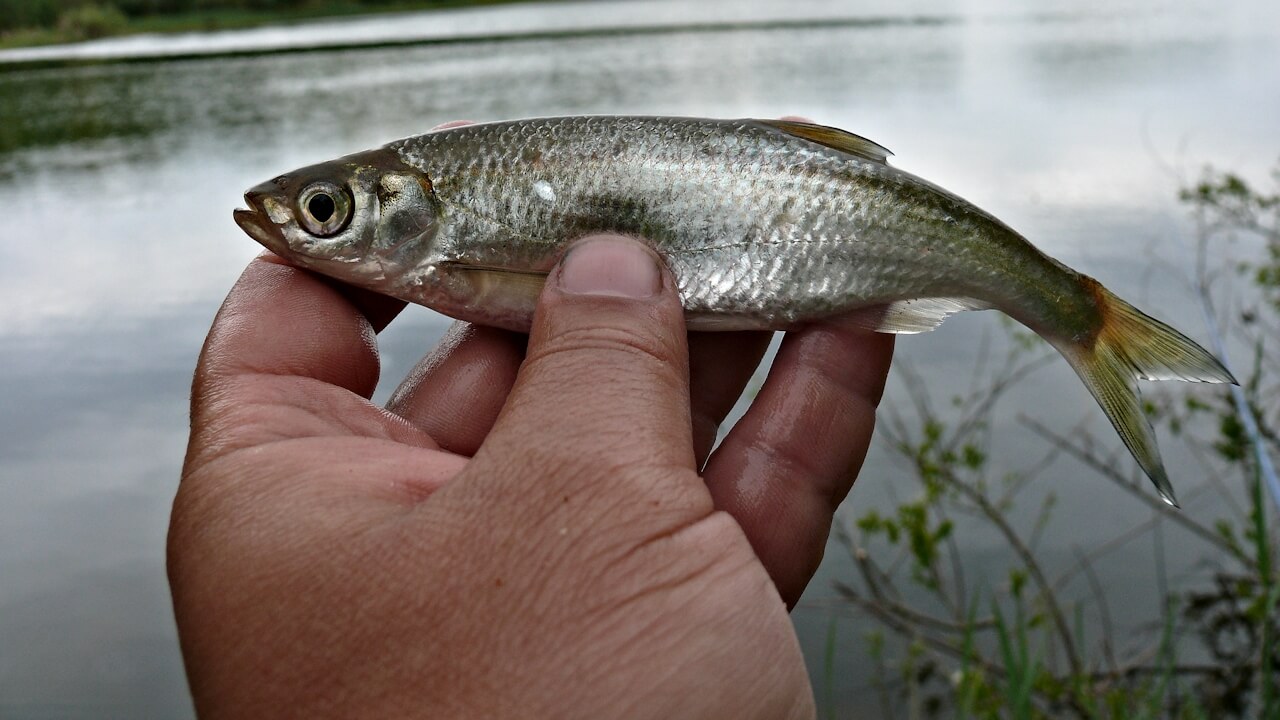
(613, 267)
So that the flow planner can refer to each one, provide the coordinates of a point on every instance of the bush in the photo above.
(24, 15)
(1031, 643)
(88, 22)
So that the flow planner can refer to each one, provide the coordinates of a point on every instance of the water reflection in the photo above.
(53, 107)
(117, 246)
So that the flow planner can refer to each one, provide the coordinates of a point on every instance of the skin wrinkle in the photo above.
(555, 366)
(407, 482)
(574, 346)
(703, 577)
(253, 467)
(459, 414)
(675, 542)
(658, 523)
(342, 414)
(793, 455)
(714, 573)
(822, 378)
(750, 478)
(569, 465)
(237, 432)
(852, 384)
(360, 370)
(454, 338)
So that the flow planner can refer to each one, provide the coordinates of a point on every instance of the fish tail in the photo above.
(1129, 345)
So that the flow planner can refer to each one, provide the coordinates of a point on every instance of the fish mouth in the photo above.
(256, 224)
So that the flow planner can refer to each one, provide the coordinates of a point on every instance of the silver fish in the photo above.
(765, 224)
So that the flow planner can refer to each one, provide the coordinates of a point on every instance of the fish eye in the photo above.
(321, 207)
(324, 208)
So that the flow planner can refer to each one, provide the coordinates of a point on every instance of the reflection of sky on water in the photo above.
(117, 245)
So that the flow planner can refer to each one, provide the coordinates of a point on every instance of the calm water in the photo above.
(116, 246)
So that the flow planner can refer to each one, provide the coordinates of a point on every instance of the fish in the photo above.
(764, 225)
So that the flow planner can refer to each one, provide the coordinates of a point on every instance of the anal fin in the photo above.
(908, 317)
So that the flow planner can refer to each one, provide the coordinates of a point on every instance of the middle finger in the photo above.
(456, 391)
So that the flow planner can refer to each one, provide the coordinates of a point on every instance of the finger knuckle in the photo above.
(594, 349)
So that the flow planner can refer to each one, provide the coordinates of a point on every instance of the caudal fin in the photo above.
(1133, 345)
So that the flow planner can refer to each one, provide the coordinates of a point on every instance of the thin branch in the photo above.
(1104, 609)
(958, 577)
(1106, 468)
(1135, 670)
(877, 606)
(1199, 452)
(1029, 561)
(1009, 376)
(915, 617)
(1124, 538)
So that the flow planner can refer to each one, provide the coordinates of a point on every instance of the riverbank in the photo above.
(105, 21)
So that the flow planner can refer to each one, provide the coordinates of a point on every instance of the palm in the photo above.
(482, 517)
(302, 372)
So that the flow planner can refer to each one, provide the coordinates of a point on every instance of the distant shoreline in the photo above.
(332, 44)
(230, 19)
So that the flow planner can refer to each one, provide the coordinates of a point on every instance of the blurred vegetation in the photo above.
(1040, 642)
(88, 22)
(35, 22)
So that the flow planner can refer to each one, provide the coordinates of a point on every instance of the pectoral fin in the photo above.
(502, 287)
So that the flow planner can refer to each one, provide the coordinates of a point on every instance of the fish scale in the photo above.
(764, 225)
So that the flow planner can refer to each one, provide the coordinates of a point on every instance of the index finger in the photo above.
(289, 355)
(280, 320)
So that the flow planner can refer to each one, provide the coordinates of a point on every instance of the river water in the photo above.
(1075, 122)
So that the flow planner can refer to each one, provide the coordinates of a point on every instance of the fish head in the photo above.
(363, 218)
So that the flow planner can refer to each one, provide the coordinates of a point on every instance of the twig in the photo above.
(1265, 468)
(1029, 561)
(1107, 469)
(1008, 376)
(1200, 453)
(1134, 670)
(1244, 412)
(916, 617)
(957, 576)
(1111, 545)
(1104, 609)
(877, 607)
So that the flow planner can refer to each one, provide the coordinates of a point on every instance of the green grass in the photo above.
(233, 18)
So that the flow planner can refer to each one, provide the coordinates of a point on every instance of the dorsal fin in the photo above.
(834, 138)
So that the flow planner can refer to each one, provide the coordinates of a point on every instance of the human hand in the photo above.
(516, 534)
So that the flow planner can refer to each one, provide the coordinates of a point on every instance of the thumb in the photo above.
(604, 388)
